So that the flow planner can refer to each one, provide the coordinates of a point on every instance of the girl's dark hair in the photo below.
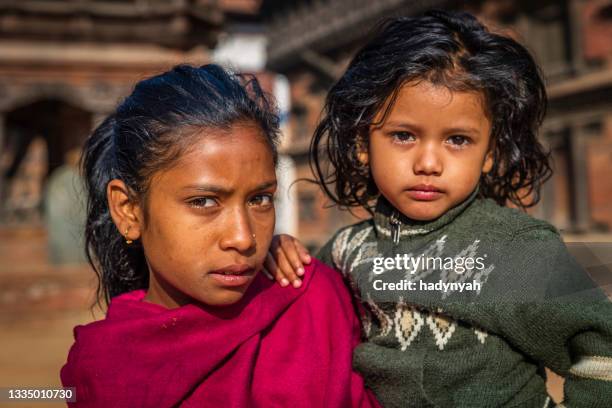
(450, 49)
(150, 129)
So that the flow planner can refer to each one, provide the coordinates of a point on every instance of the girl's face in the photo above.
(428, 154)
(209, 219)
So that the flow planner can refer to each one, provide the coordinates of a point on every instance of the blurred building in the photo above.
(65, 64)
(312, 41)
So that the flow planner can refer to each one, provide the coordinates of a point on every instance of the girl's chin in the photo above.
(224, 296)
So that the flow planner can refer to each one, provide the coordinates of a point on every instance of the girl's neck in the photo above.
(164, 294)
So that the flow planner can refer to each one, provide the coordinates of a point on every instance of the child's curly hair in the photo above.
(449, 49)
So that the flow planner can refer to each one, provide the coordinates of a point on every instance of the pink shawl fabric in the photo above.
(277, 347)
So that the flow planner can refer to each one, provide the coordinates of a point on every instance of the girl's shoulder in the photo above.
(326, 284)
(489, 216)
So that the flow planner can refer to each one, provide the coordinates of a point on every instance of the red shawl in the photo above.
(277, 347)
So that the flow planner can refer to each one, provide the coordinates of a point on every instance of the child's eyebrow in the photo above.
(410, 126)
(406, 125)
(465, 129)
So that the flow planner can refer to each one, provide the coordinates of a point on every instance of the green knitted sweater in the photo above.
(522, 304)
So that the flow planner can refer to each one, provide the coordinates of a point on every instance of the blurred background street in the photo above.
(65, 64)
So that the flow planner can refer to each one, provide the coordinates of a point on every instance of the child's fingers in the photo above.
(272, 267)
(304, 253)
(283, 246)
(288, 244)
(284, 265)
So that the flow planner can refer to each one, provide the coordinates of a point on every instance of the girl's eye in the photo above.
(203, 202)
(402, 137)
(458, 140)
(262, 200)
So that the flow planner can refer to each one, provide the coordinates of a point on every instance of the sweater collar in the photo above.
(392, 224)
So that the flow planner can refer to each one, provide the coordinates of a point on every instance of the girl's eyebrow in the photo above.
(266, 185)
(212, 188)
(397, 124)
(410, 126)
(465, 129)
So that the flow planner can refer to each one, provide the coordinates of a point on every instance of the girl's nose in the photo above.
(237, 233)
(427, 161)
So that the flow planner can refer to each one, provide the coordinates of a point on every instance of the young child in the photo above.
(432, 128)
(180, 184)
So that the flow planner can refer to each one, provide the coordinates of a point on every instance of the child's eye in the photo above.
(458, 140)
(262, 200)
(402, 137)
(203, 202)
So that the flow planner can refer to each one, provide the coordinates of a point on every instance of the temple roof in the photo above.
(172, 23)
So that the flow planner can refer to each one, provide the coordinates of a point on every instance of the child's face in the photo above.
(210, 214)
(430, 151)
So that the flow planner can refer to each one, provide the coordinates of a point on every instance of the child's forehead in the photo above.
(422, 96)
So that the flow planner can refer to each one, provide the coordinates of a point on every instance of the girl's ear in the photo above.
(126, 213)
(487, 165)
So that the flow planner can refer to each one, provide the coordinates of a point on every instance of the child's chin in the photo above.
(423, 211)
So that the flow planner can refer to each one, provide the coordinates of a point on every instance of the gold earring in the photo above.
(363, 158)
(127, 240)
(362, 153)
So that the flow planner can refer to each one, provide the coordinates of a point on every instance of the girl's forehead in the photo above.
(240, 154)
(210, 140)
(418, 98)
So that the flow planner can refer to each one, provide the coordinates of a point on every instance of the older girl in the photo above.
(181, 180)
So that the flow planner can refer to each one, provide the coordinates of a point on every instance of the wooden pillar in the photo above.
(576, 27)
(581, 217)
(2, 133)
(2, 152)
(546, 207)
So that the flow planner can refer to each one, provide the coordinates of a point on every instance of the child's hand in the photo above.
(285, 260)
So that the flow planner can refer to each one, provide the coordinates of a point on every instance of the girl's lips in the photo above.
(424, 193)
(232, 280)
(235, 275)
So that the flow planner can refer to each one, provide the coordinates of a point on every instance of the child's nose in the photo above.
(427, 161)
(237, 233)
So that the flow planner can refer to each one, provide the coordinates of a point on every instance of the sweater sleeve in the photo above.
(568, 329)
(586, 359)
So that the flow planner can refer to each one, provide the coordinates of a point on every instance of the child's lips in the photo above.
(424, 192)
